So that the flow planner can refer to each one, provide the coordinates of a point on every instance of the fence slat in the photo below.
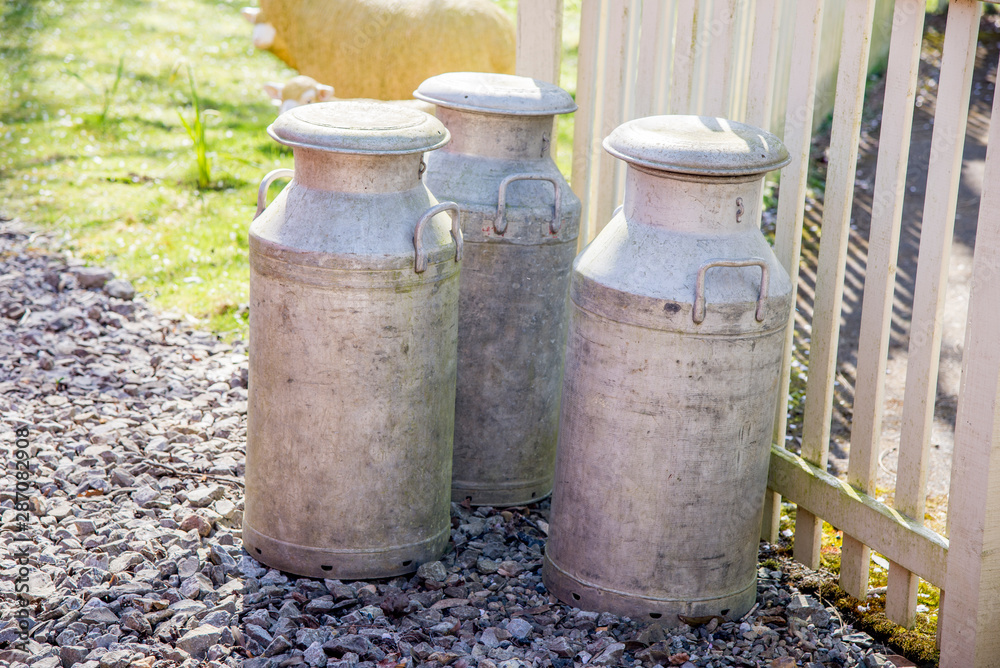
(794, 178)
(586, 145)
(943, 172)
(880, 272)
(889, 531)
(630, 94)
(683, 61)
(844, 137)
(718, 40)
(763, 59)
(539, 39)
(663, 73)
(616, 57)
(901, 594)
(648, 81)
(971, 611)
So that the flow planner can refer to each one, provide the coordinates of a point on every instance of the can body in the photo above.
(512, 315)
(678, 313)
(352, 372)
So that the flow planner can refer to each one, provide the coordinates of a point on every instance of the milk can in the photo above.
(353, 328)
(520, 222)
(673, 359)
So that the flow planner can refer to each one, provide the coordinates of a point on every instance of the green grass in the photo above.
(101, 153)
(94, 97)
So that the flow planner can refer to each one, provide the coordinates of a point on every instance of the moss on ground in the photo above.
(917, 644)
(869, 616)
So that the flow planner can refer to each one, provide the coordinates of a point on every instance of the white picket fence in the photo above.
(722, 57)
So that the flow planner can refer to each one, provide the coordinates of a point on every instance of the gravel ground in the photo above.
(131, 553)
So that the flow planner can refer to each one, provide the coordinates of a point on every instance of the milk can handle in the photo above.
(500, 221)
(698, 313)
(420, 257)
(266, 183)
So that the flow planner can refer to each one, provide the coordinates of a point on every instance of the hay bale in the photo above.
(384, 49)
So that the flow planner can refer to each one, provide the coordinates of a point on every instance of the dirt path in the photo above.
(960, 267)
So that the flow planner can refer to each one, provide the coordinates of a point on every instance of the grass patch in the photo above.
(93, 144)
(93, 139)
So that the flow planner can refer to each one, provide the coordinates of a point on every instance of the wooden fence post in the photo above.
(971, 611)
(837, 204)
(539, 39)
(794, 179)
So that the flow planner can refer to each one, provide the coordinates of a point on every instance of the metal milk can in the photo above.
(353, 332)
(673, 358)
(520, 221)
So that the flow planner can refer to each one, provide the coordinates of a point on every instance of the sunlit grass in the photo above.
(100, 152)
(92, 143)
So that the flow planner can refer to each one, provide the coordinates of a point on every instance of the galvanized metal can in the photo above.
(673, 358)
(353, 331)
(520, 221)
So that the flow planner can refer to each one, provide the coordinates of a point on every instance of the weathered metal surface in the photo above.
(520, 222)
(352, 351)
(673, 355)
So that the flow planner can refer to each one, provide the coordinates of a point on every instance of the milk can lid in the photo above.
(359, 126)
(495, 94)
(699, 145)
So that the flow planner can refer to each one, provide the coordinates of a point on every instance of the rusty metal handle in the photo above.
(270, 178)
(420, 257)
(500, 221)
(698, 313)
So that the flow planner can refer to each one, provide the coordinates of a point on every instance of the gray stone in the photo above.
(116, 659)
(91, 277)
(119, 288)
(201, 497)
(258, 633)
(125, 561)
(611, 656)
(434, 571)
(519, 628)
(71, 654)
(135, 621)
(250, 567)
(809, 609)
(314, 655)
(99, 615)
(218, 619)
(197, 641)
(350, 643)
(279, 645)
(188, 567)
(289, 609)
(84, 527)
(487, 566)
(144, 495)
(489, 638)
(221, 557)
(196, 585)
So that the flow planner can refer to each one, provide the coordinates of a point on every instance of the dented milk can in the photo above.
(520, 222)
(353, 324)
(673, 358)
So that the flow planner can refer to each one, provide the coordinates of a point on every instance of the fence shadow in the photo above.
(959, 270)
